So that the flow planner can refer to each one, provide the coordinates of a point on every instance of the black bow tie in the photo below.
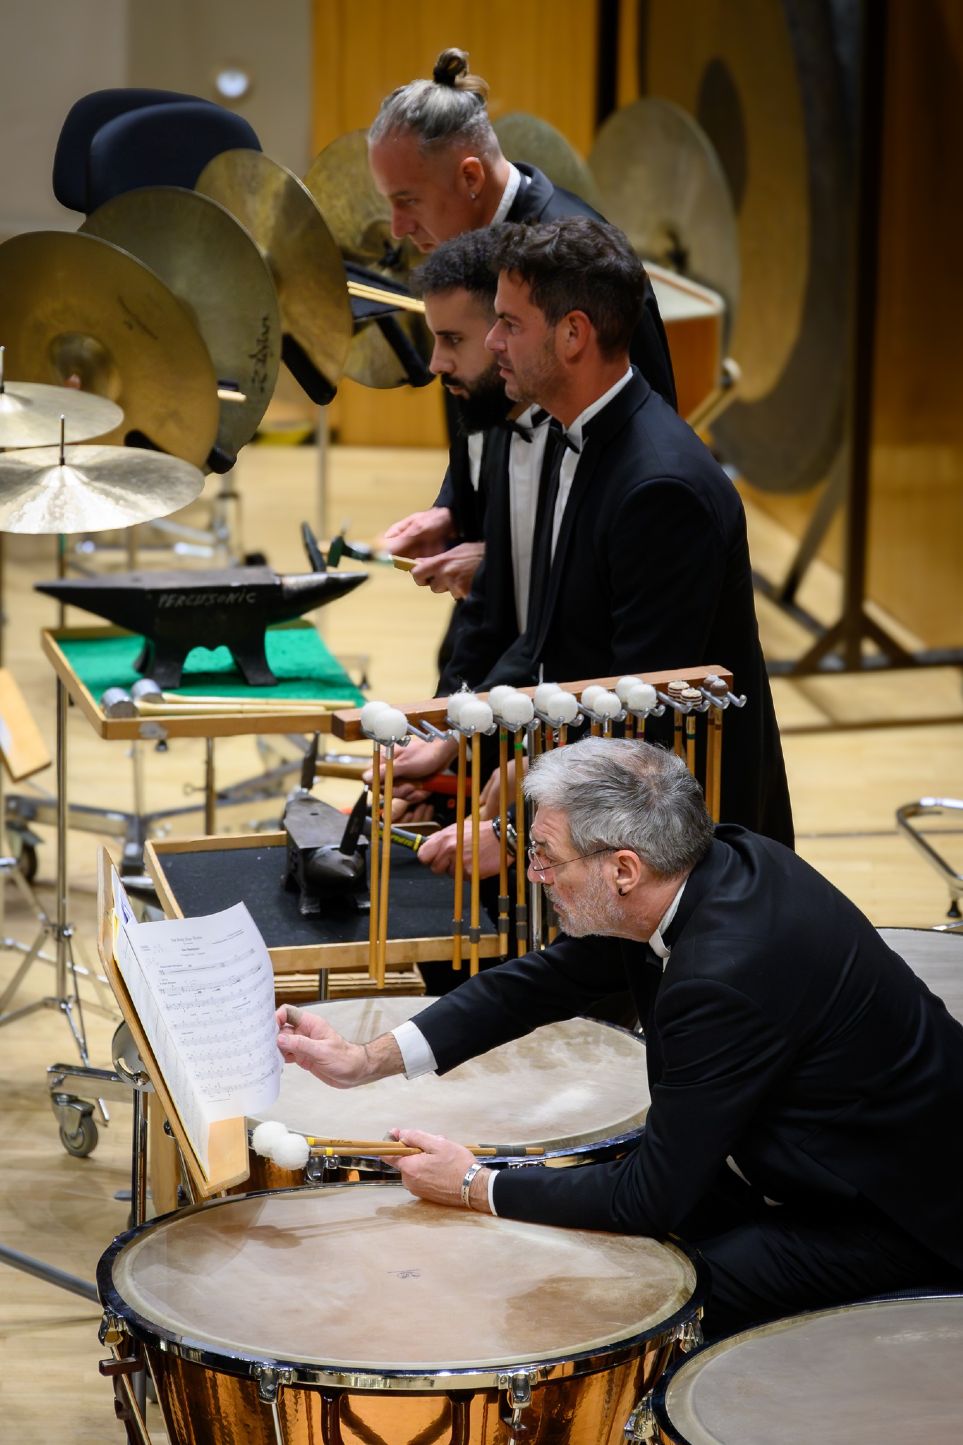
(539, 418)
(562, 437)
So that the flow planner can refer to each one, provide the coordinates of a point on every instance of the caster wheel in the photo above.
(81, 1141)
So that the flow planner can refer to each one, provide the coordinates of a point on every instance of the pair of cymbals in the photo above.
(74, 306)
(215, 269)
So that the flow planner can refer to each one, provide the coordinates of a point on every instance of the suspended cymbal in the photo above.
(30, 414)
(358, 216)
(76, 305)
(524, 137)
(97, 488)
(661, 181)
(214, 267)
(283, 217)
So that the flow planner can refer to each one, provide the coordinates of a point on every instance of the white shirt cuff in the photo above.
(492, 1176)
(416, 1054)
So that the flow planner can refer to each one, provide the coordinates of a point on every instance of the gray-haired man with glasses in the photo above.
(806, 1087)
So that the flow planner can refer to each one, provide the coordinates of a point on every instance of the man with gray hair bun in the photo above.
(806, 1087)
(435, 157)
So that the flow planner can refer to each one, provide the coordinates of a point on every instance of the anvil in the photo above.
(325, 861)
(175, 611)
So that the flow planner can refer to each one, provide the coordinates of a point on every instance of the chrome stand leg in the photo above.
(65, 997)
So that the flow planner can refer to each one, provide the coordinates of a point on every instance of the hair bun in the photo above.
(450, 66)
(451, 70)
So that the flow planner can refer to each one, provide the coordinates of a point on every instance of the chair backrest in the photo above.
(116, 140)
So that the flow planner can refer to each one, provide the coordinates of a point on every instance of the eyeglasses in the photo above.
(543, 868)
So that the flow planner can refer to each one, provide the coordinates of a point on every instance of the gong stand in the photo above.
(839, 648)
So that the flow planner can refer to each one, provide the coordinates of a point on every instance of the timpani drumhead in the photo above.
(570, 1083)
(936, 958)
(365, 1276)
(884, 1373)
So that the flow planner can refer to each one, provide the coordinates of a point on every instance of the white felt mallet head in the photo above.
(624, 686)
(561, 708)
(542, 693)
(370, 712)
(517, 710)
(291, 1152)
(476, 715)
(390, 726)
(266, 1136)
(589, 694)
(642, 697)
(497, 696)
(607, 704)
(456, 702)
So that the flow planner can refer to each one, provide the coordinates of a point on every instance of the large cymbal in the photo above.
(30, 414)
(96, 489)
(213, 266)
(283, 217)
(661, 181)
(357, 215)
(524, 137)
(73, 304)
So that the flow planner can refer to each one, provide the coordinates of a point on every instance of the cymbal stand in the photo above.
(66, 997)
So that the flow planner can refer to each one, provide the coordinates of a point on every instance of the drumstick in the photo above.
(521, 906)
(503, 841)
(474, 921)
(691, 696)
(394, 1148)
(375, 862)
(458, 909)
(675, 689)
(714, 796)
(385, 864)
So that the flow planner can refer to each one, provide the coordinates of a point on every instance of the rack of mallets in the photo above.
(525, 722)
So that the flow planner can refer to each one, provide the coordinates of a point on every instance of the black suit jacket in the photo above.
(651, 571)
(783, 1032)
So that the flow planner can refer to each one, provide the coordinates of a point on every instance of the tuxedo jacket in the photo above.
(539, 201)
(651, 571)
(783, 1033)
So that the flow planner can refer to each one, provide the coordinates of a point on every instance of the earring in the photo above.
(471, 196)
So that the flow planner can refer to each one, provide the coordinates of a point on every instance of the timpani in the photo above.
(576, 1089)
(355, 1313)
(884, 1372)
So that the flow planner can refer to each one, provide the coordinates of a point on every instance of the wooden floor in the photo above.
(846, 785)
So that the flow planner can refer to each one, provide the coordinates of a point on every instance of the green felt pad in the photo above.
(296, 655)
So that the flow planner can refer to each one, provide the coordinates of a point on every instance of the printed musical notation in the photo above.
(203, 989)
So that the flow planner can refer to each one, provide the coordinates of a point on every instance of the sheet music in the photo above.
(204, 991)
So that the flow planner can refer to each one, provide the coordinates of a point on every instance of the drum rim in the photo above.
(249, 1364)
(629, 1132)
(668, 1428)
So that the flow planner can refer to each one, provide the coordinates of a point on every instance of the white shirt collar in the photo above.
(508, 194)
(660, 949)
(574, 432)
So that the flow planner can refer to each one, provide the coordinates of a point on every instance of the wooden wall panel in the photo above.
(538, 57)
